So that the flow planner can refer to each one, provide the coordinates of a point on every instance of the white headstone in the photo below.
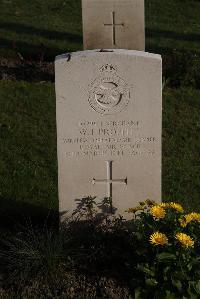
(109, 127)
(113, 24)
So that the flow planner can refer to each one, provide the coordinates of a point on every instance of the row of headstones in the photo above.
(109, 110)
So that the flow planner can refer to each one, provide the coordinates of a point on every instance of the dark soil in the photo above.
(73, 287)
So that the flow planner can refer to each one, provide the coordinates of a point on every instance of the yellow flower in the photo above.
(189, 218)
(158, 212)
(165, 205)
(185, 240)
(196, 216)
(158, 239)
(176, 206)
(182, 222)
(172, 205)
(192, 217)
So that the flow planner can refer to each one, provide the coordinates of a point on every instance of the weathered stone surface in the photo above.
(109, 127)
(113, 24)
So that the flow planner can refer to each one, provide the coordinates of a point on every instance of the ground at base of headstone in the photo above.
(154, 255)
(38, 264)
(75, 287)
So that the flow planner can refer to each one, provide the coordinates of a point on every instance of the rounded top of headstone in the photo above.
(97, 52)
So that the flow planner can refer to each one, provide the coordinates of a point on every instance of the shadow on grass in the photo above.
(173, 35)
(39, 51)
(36, 52)
(153, 47)
(27, 72)
(14, 213)
(73, 42)
(26, 29)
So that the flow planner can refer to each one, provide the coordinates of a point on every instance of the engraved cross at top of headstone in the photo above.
(114, 24)
(109, 180)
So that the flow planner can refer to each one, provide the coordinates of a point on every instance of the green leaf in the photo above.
(197, 287)
(177, 284)
(190, 292)
(138, 293)
(146, 270)
(151, 282)
(170, 295)
(189, 266)
(164, 256)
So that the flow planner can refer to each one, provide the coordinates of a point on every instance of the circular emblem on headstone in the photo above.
(108, 93)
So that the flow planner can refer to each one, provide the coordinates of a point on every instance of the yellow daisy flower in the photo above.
(158, 212)
(192, 217)
(176, 206)
(189, 218)
(182, 222)
(185, 240)
(165, 205)
(196, 216)
(158, 238)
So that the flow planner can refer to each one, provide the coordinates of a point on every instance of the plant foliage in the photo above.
(154, 255)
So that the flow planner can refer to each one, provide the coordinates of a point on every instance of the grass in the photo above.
(50, 27)
(28, 175)
(36, 28)
(181, 142)
(173, 25)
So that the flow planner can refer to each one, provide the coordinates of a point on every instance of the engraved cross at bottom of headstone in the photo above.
(113, 24)
(109, 181)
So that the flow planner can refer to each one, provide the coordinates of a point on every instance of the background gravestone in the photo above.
(113, 24)
(109, 127)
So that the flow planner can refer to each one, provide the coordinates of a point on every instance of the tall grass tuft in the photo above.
(33, 253)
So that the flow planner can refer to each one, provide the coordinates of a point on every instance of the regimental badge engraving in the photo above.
(108, 94)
